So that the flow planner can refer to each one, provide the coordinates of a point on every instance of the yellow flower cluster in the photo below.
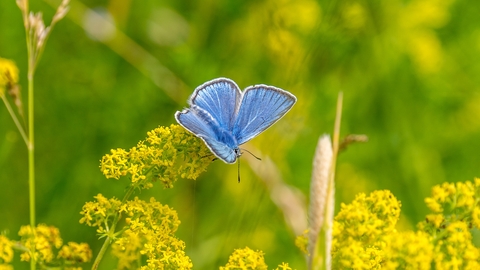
(8, 74)
(245, 259)
(454, 248)
(283, 266)
(301, 242)
(359, 229)
(75, 252)
(46, 242)
(451, 202)
(407, 250)
(167, 154)
(456, 210)
(150, 231)
(44, 239)
(365, 236)
(100, 212)
(5, 267)
(248, 259)
(6, 252)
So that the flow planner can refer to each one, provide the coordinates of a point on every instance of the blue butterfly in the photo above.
(225, 117)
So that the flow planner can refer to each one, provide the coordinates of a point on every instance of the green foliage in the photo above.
(408, 70)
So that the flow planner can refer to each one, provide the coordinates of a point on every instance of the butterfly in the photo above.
(225, 117)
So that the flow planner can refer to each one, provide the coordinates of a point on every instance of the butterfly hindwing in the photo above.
(261, 106)
(220, 98)
(203, 125)
(221, 150)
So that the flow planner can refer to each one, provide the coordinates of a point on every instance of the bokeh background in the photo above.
(113, 70)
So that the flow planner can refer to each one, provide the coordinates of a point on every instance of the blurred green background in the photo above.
(113, 70)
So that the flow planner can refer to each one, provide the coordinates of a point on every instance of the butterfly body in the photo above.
(225, 117)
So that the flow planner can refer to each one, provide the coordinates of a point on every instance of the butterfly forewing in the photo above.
(196, 121)
(261, 106)
(220, 98)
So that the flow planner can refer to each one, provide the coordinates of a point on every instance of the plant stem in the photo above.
(15, 119)
(330, 209)
(31, 153)
(101, 252)
(31, 158)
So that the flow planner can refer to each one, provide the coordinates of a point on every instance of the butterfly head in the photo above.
(237, 151)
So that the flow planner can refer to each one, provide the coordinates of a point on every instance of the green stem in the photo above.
(31, 152)
(101, 253)
(111, 232)
(330, 208)
(15, 119)
(31, 159)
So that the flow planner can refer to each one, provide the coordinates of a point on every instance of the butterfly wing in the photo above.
(203, 125)
(261, 106)
(220, 98)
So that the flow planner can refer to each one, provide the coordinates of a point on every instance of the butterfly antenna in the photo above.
(238, 172)
(251, 154)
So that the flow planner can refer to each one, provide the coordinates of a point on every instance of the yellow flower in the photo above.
(150, 236)
(451, 202)
(167, 154)
(476, 217)
(245, 259)
(455, 250)
(8, 74)
(96, 214)
(75, 253)
(6, 250)
(408, 250)
(283, 266)
(301, 242)
(364, 235)
(5, 267)
(44, 239)
(360, 228)
(435, 219)
(47, 242)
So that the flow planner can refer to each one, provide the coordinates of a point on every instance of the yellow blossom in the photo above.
(360, 228)
(149, 235)
(167, 154)
(451, 202)
(44, 239)
(96, 214)
(476, 216)
(283, 266)
(6, 250)
(366, 218)
(245, 259)
(47, 242)
(75, 253)
(8, 74)
(408, 250)
(455, 249)
(364, 235)
(5, 267)
(301, 242)
(435, 219)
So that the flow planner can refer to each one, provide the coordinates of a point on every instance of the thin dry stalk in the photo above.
(287, 198)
